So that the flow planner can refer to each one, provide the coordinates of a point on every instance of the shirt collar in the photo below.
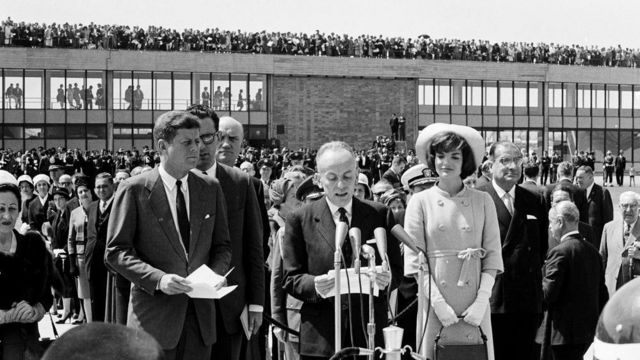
(210, 171)
(633, 224)
(108, 201)
(565, 236)
(501, 191)
(334, 209)
(169, 181)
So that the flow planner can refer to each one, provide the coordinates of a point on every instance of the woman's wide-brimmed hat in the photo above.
(471, 135)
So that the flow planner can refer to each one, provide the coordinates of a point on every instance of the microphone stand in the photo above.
(341, 233)
(370, 255)
(422, 270)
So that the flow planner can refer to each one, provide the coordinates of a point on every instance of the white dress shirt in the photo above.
(501, 193)
(105, 204)
(588, 190)
(172, 192)
(336, 214)
(565, 236)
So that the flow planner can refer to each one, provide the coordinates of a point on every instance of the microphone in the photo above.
(341, 234)
(380, 234)
(368, 251)
(408, 241)
(355, 236)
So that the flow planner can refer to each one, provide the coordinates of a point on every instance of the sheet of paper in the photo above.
(244, 320)
(204, 282)
(353, 285)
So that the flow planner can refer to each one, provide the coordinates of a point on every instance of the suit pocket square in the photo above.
(531, 217)
(207, 216)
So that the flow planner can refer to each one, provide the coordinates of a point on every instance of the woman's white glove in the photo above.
(443, 311)
(475, 313)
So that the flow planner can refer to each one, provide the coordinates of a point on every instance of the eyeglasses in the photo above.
(506, 161)
(207, 139)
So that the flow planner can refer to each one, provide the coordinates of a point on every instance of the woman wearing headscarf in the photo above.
(458, 226)
(284, 308)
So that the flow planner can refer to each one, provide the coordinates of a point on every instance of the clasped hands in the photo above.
(22, 312)
(324, 284)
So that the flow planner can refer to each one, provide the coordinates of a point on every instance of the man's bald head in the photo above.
(229, 141)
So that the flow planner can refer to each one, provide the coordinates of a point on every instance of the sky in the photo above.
(584, 22)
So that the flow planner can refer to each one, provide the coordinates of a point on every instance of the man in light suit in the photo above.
(573, 287)
(243, 213)
(599, 204)
(309, 247)
(516, 302)
(164, 225)
(618, 237)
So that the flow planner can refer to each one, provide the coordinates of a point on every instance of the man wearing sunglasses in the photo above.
(246, 240)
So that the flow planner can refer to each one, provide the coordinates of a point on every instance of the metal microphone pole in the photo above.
(341, 233)
(370, 255)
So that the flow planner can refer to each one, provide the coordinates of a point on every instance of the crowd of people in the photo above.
(532, 265)
(125, 37)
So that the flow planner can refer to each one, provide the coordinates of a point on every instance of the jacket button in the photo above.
(441, 227)
(465, 203)
(440, 203)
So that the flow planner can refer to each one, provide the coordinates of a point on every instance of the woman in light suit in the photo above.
(459, 228)
(76, 244)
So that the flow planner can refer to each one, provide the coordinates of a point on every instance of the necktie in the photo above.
(183, 218)
(347, 251)
(627, 232)
(508, 202)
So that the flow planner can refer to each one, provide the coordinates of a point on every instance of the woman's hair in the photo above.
(278, 191)
(6, 187)
(447, 142)
(393, 194)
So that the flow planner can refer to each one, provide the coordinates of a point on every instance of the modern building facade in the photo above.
(305, 101)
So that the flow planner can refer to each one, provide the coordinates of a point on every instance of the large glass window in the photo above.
(239, 92)
(473, 94)
(533, 95)
(612, 97)
(76, 89)
(14, 89)
(57, 90)
(122, 90)
(222, 93)
(181, 90)
(161, 91)
(33, 89)
(257, 89)
(557, 96)
(598, 97)
(584, 96)
(506, 94)
(141, 90)
(442, 93)
(490, 94)
(96, 93)
(626, 97)
(520, 95)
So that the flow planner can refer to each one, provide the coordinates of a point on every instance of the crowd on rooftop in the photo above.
(215, 40)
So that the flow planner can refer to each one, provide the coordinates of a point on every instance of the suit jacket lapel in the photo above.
(503, 213)
(519, 214)
(634, 234)
(196, 209)
(160, 207)
(326, 226)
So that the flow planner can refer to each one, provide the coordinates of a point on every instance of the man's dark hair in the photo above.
(105, 175)
(203, 112)
(170, 122)
(531, 170)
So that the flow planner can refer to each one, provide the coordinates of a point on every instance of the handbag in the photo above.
(461, 351)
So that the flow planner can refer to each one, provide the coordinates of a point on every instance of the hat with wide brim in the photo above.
(364, 181)
(471, 135)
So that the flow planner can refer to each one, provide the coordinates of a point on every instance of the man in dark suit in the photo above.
(531, 171)
(516, 302)
(621, 164)
(394, 174)
(165, 224)
(246, 240)
(573, 287)
(393, 124)
(308, 252)
(97, 221)
(565, 178)
(562, 193)
(599, 204)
